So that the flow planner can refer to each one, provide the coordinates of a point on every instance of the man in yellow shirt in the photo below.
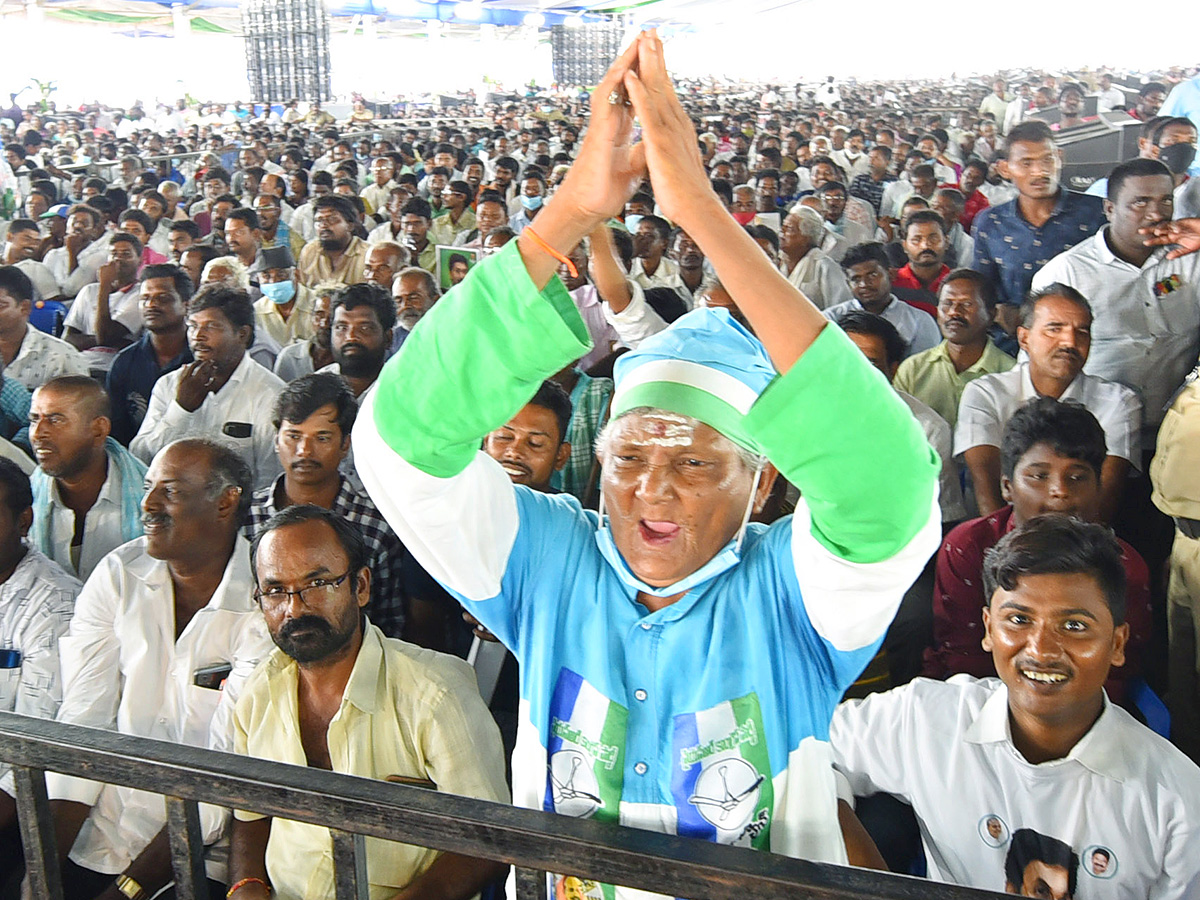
(937, 377)
(338, 695)
(336, 254)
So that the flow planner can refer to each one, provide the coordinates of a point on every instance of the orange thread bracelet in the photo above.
(245, 881)
(537, 239)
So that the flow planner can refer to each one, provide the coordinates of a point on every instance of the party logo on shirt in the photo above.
(586, 751)
(1167, 285)
(721, 784)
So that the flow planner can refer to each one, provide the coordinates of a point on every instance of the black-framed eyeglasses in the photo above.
(310, 594)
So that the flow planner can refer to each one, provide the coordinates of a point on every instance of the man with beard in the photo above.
(162, 348)
(339, 695)
(923, 237)
(87, 488)
(414, 291)
(1056, 336)
(313, 417)
(314, 354)
(363, 318)
(223, 392)
(336, 254)
(105, 316)
(415, 219)
(164, 634)
(21, 248)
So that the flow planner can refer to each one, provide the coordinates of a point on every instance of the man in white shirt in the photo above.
(36, 601)
(84, 250)
(1146, 333)
(164, 635)
(1041, 749)
(996, 102)
(809, 268)
(87, 487)
(105, 317)
(651, 266)
(224, 393)
(20, 249)
(866, 268)
(1110, 97)
(31, 357)
(1055, 335)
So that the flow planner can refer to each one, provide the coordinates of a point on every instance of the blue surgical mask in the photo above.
(631, 222)
(531, 203)
(279, 292)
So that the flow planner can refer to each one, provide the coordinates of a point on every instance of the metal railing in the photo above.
(354, 808)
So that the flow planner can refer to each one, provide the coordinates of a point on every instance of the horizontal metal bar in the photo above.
(680, 867)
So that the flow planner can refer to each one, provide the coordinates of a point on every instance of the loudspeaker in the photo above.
(583, 53)
(287, 49)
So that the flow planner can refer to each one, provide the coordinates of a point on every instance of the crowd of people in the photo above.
(828, 471)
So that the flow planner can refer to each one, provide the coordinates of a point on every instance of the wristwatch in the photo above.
(130, 888)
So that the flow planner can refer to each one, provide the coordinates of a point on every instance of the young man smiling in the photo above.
(1041, 748)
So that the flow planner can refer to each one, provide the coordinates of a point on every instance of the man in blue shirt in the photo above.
(1015, 239)
(163, 347)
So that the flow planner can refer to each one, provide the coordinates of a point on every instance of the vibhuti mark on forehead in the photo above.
(668, 430)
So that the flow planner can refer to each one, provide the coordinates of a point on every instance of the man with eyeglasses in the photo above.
(164, 634)
(339, 695)
(361, 334)
(458, 218)
(223, 393)
(313, 417)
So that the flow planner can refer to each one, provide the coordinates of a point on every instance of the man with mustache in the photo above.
(923, 236)
(313, 417)
(937, 377)
(1056, 335)
(336, 254)
(164, 634)
(361, 334)
(338, 695)
(224, 392)
(87, 487)
(533, 444)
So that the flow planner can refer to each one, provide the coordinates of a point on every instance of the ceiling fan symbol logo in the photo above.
(573, 784)
(726, 793)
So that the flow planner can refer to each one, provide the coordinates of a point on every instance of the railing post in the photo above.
(187, 849)
(349, 865)
(37, 833)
